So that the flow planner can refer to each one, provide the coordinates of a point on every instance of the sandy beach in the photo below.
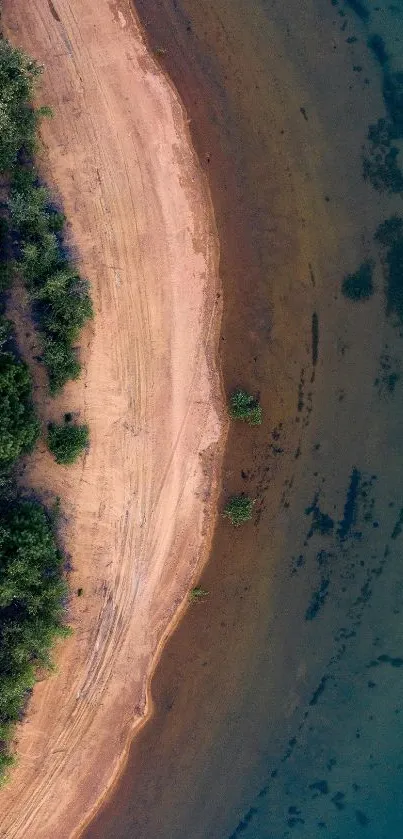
(137, 512)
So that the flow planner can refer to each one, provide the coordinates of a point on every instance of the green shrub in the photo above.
(19, 428)
(245, 407)
(239, 509)
(6, 276)
(6, 271)
(61, 363)
(359, 286)
(64, 305)
(28, 209)
(18, 119)
(197, 594)
(67, 442)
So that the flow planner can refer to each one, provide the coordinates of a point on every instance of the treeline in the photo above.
(32, 580)
(60, 298)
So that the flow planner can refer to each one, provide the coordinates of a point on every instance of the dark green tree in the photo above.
(67, 442)
(18, 119)
(19, 428)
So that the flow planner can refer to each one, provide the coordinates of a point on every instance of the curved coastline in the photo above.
(229, 751)
(177, 408)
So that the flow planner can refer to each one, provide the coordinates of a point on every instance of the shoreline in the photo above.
(207, 486)
(239, 677)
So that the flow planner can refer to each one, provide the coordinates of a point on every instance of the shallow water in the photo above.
(279, 700)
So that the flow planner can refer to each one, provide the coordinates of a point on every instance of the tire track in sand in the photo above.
(138, 509)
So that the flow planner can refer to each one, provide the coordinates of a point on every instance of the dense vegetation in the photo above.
(31, 578)
(31, 599)
(19, 427)
(239, 509)
(245, 407)
(60, 297)
(67, 442)
(32, 586)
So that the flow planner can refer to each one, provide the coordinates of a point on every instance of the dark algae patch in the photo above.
(380, 164)
(243, 824)
(321, 522)
(359, 285)
(315, 338)
(398, 526)
(359, 9)
(361, 818)
(320, 786)
(377, 45)
(350, 507)
(338, 800)
(318, 692)
(387, 659)
(390, 237)
(393, 98)
(390, 231)
(389, 374)
(317, 600)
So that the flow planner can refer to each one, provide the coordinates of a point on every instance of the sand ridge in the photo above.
(137, 511)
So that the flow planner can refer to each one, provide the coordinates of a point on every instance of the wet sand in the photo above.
(277, 700)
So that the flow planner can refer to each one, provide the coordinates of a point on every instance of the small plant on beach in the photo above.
(239, 509)
(359, 286)
(197, 594)
(67, 442)
(244, 407)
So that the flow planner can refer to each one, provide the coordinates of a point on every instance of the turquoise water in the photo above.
(279, 708)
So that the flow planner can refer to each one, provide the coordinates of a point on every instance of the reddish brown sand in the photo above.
(138, 508)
